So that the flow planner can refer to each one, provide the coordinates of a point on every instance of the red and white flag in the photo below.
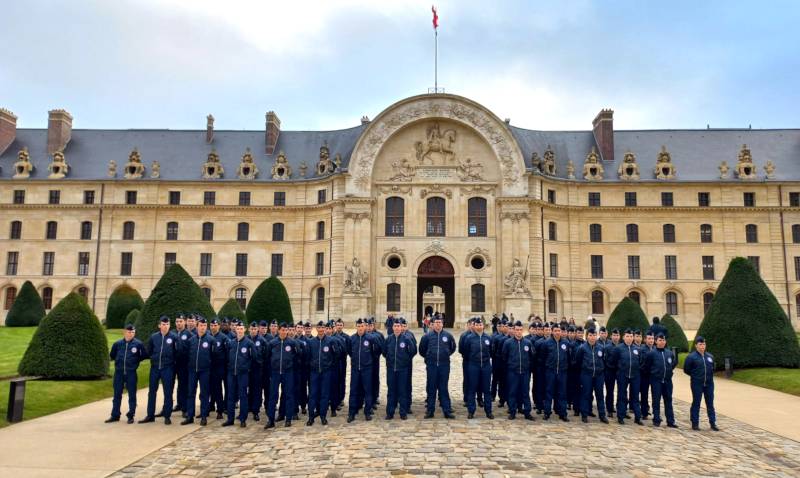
(435, 18)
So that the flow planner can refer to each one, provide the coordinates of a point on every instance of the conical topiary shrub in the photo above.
(627, 315)
(231, 310)
(120, 304)
(69, 343)
(134, 317)
(270, 302)
(675, 335)
(28, 308)
(174, 293)
(745, 321)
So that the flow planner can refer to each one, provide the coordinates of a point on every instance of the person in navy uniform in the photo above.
(200, 349)
(544, 332)
(296, 333)
(182, 362)
(699, 366)
(478, 348)
(556, 351)
(410, 375)
(399, 350)
(589, 357)
(162, 347)
(241, 354)
(376, 369)
(361, 348)
(323, 353)
(217, 373)
(342, 377)
(498, 389)
(644, 385)
(626, 357)
(281, 358)
(254, 380)
(436, 347)
(660, 362)
(126, 353)
(519, 358)
(464, 359)
(610, 372)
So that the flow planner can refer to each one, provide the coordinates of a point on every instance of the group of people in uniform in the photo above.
(289, 370)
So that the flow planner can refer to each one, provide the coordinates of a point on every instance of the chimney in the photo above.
(209, 129)
(8, 129)
(59, 130)
(273, 130)
(365, 120)
(603, 128)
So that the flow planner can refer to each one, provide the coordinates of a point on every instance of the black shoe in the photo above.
(528, 416)
(546, 416)
(159, 414)
(575, 413)
(610, 414)
(627, 416)
(242, 424)
(187, 421)
(309, 422)
(428, 415)
(621, 421)
(585, 419)
(130, 420)
(227, 423)
(564, 418)
(449, 416)
(147, 420)
(333, 413)
(471, 416)
(281, 418)
(287, 424)
(323, 420)
(604, 420)
(177, 408)
(656, 424)
(112, 420)
(388, 417)
(480, 403)
(638, 421)
(256, 417)
(303, 411)
(368, 417)
(645, 415)
(490, 416)
(501, 404)
(714, 427)
(538, 411)
(350, 418)
(203, 421)
(270, 424)
(512, 416)
(184, 415)
(403, 416)
(672, 425)
(591, 414)
(695, 427)
(167, 421)
(219, 415)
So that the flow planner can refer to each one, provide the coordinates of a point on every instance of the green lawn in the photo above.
(46, 397)
(785, 380)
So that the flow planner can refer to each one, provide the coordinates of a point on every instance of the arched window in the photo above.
(320, 303)
(595, 233)
(320, 230)
(796, 233)
(83, 292)
(669, 232)
(597, 302)
(796, 300)
(476, 220)
(478, 293)
(241, 297)
(243, 231)
(11, 296)
(207, 292)
(128, 230)
(632, 232)
(47, 298)
(16, 230)
(277, 231)
(552, 231)
(395, 216)
(705, 233)
(707, 298)
(51, 231)
(671, 299)
(552, 303)
(635, 296)
(436, 217)
(751, 233)
(86, 230)
(172, 231)
(393, 297)
(208, 231)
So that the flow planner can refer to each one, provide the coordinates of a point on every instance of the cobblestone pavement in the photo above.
(474, 448)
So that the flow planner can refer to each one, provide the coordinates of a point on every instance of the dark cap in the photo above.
(628, 331)
(603, 329)
(571, 328)
(321, 324)
(660, 336)
(201, 320)
(614, 331)
(274, 322)
(699, 340)
(518, 324)
(637, 332)
(262, 323)
(130, 327)
(214, 321)
(282, 325)
(591, 331)
(164, 319)
(360, 321)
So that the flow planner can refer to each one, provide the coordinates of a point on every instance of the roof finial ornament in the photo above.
(247, 167)
(664, 167)
(628, 170)
(212, 168)
(592, 168)
(745, 169)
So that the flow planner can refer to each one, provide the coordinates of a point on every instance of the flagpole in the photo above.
(436, 60)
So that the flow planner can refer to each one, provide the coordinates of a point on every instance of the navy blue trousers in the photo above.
(498, 380)
(360, 390)
(216, 378)
(254, 390)
(285, 381)
(436, 381)
(644, 389)
(182, 376)
(611, 381)
(237, 389)
(124, 380)
(202, 377)
(397, 390)
(319, 393)
(592, 386)
(540, 384)
(517, 386)
(662, 390)
(699, 392)
(479, 381)
(628, 393)
(555, 398)
(166, 375)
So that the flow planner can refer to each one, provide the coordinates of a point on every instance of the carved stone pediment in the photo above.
(325, 165)
(212, 168)
(469, 170)
(592, 167)
(664, 167)
(436, 189)
(745, 169)
(402, 170)
(281, 168)
(437, 149)
(134, 169)
(58, 167)
(247, 167)
(23, 167)
(628, 170)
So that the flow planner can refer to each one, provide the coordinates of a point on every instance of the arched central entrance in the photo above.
(436, 271)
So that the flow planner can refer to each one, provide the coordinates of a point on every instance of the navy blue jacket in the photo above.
(163, 350)
(127, 355)
(261, 343)
(200, 351)
(462, 340)
(478, 349)
(281, 355)
(590, 359)
(241, 355)
(660, 363)
(381, 341)
(643, 351)
(301, 355)
(399, 351)
(519, 356)
(498, 340)
(436, 348)
(541, 353)
(220, 350)
(700, 368)
(627, 359)
(183, 347)
(361, 350)
(556, 354)
(322, 353)
(608, 352)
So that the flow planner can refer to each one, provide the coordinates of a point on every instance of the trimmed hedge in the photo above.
(120, 304)
(28, 308)
(231, 310)
(676, 336)
(627, 315)
(746, 322)
(270, 302)
(134, 317)
(174, 293)
(69, 343)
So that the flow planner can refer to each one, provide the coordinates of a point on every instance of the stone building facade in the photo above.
(436, 194)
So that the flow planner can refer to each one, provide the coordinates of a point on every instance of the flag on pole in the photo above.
(435, 18)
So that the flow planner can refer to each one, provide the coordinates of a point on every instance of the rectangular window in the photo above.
(756, 261)
(55, 197)
(794, 199)
(552, 231)
(88, 197)
(320, 230)
(630, 199)
(207, 231)
(205, 263)
(666, 199)
(749, 199)
(16, 230)
(19, 196)
(130, 197)
(751, 233)
(241, 264)
(703, 199)
(174, 198)
(244, 198)
(279, 199)
(83, 263)
(632, 232)
(321, 196)
(125, 263)
(320, 306)
(478, 296)
(48, 262)
(277, 231)
(553, 265)
(708, 267)
(633, 267)
(169, 260)
(476, 217)
(277, 265)
(86, 230)
(595, 233)
(51, 230)
(172, 231)
(128, 228)
(393, 297)
(597, 267)
(320, 269)
(12, 261)
(594, 199)
(796, 268)
(209, 198)
(671, 267)
(705, 233)
(551, 196)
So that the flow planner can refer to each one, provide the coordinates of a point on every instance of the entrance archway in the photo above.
(437, 271)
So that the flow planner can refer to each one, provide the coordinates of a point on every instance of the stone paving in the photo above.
(472, 448)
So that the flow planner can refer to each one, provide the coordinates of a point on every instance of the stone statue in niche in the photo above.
(515, 282)
(549, 164)
(664, 167)
(769, 168)
(112, 169)
(439, 144)
(212, 168)
(628, 169)
(58, 167)
(745, 169)
(155, 170)
(247, 167)
(281, 168)
(355, 280)
(592, 168)
(723, 170)
(402, 171)
(134, 169)
(470, 171)
(23, 167)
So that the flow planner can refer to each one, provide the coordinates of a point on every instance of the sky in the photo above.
(321, 65)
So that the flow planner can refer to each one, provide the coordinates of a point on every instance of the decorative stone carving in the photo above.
(484, 253)
(394, 252)
(745, 169)
(628, 170)
(515, 282)
(436, 189)
(436, 247)
(337, 161)
(549, 164)
(58, 167)
(769, 168)
(134, 169)
(212, 168)
(394, 189)
(469, 171)
(155, 170)
(438, 145)
(723, 170)
(112, 169)
(473, 190)
(592, 167)
(281, 168)
(303, 169)
(355, 280)
(357, 216)
(402, 171)
(324, 165)
(247, 167)
(536, 161)
(23, 167)
(664, 167)
(515, 216)
(570, 170)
